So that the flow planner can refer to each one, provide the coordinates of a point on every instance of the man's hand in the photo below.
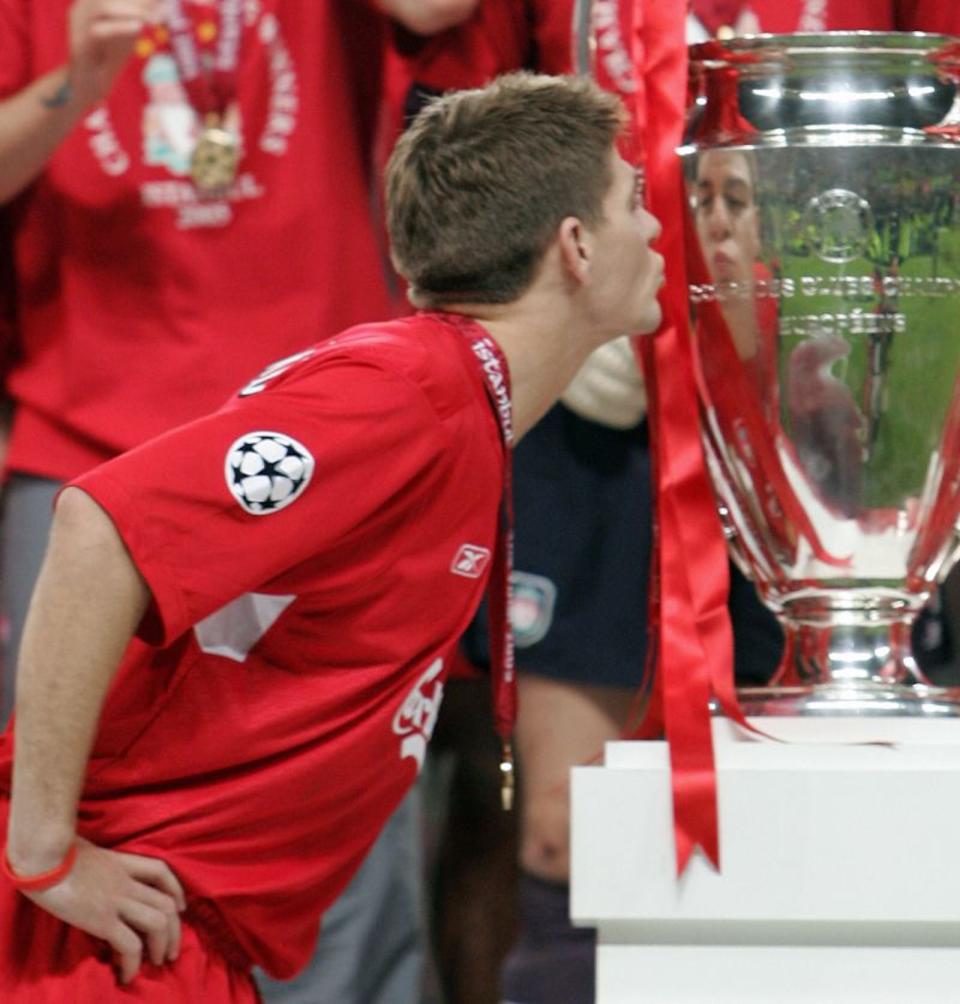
(36, 120)
(429, 17)
(127, 900)
(101, 38)
(88, 601)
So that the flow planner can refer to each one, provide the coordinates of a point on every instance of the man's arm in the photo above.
(428, 17)
(35, 121)
(88, 602)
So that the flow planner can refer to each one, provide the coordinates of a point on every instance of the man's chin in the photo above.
(651, 320)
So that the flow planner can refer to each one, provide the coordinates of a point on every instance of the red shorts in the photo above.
(44, 961)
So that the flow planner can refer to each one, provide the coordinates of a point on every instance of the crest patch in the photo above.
(532, 600)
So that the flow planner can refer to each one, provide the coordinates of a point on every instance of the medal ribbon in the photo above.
(210, 89)
(503, 677)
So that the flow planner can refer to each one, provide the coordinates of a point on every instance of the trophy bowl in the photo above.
(823, 178)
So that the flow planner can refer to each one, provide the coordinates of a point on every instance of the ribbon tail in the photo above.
(695, 636)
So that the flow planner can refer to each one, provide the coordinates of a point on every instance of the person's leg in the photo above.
(370, 949)
(552, 961)
(474, 864)
(27, 512)
(561, 724)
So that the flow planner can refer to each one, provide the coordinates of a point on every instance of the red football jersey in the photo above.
(142, 306)
(314, 550)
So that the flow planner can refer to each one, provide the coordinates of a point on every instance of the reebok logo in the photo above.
(470, 561)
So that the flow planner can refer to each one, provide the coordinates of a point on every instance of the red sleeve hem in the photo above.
(166, 617)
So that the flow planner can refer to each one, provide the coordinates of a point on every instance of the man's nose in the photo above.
(718, 220)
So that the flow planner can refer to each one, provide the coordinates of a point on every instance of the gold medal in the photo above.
(213, 166)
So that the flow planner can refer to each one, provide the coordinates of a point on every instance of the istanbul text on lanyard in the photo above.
(496, 378)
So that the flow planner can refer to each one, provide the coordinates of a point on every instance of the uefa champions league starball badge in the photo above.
(266, 471)
(216, 157)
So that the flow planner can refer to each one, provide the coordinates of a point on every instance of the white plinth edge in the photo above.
(838, 872)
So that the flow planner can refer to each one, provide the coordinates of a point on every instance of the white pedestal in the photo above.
(840, 879)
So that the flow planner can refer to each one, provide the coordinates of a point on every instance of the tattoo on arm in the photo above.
(60, 96)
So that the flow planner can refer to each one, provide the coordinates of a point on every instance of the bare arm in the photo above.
(35, 121)
(427, 17)
(86, 607)
(560, 725)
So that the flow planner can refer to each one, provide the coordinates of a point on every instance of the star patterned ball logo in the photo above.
(266, 471)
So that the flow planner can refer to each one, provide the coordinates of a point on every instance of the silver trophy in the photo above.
(823, 175)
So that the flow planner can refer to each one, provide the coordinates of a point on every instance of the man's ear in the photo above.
(575, 248)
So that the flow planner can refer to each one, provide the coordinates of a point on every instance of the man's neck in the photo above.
(544, 349)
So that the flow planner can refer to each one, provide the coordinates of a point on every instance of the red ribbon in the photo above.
(210, 88)
(694, 640)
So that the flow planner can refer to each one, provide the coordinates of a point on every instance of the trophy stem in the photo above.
(852, 661)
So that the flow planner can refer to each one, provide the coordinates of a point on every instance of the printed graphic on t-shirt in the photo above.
(416, 717)
(266, 471)
(170, 125)
(259, 383)
(234, 629)
(708, 17)
(612, 53)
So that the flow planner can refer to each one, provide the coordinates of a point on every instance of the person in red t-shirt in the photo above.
(237, 646)
(143, 300)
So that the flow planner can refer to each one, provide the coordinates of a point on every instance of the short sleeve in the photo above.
(338, 454)
(14, 46)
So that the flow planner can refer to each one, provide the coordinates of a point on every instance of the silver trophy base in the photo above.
(864, 699)
(847, 655)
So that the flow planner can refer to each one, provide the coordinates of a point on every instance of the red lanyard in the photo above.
(210, 89)
(496, 378)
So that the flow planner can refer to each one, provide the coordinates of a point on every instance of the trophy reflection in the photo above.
(825, 291)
